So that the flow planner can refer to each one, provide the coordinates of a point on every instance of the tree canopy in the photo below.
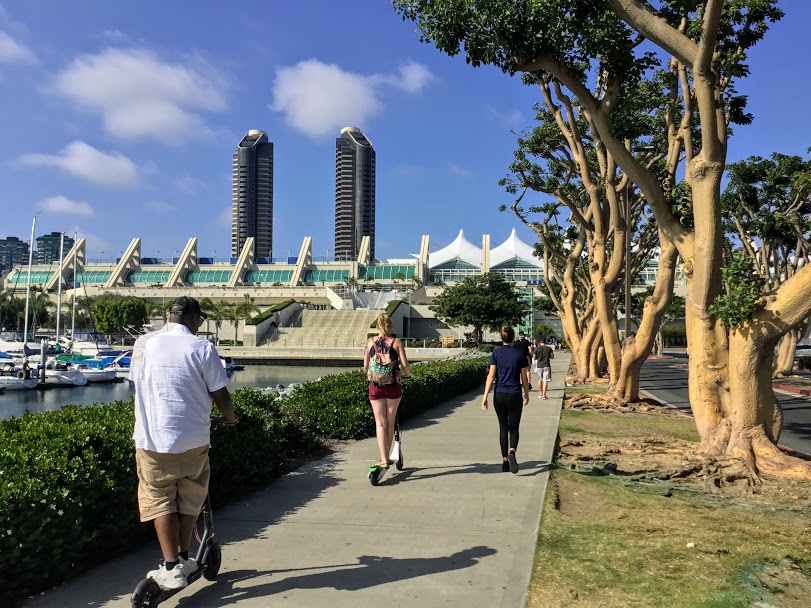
(112, 316)
(483, 301)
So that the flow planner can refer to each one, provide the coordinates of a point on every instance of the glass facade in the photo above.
(37, 278)
(148, 277)
(269, 276)
(386, 271)
(326, 276)
(94, 276)
(208, 276)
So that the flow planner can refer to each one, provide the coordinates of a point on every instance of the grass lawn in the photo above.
(605, 542)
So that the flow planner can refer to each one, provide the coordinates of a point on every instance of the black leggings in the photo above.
(508, 408)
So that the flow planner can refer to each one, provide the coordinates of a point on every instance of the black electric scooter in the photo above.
(376, 473)
(148, 593)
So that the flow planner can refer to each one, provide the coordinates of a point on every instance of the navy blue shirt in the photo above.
(509, 362)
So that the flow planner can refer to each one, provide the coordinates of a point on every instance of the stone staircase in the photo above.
(328, 328)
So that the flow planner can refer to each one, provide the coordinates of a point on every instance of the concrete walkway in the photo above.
(451, 529)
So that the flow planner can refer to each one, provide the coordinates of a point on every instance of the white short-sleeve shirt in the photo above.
(173, 381)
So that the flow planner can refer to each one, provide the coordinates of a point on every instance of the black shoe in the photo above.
(513, 462)
(505, 467)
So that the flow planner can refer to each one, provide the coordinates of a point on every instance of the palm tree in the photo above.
(243, 310)
(222, 310)
(11, 308)
(40, 305)
(207, 306)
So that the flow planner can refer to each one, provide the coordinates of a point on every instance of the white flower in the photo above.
(8, 532)
(42, 501)
(53, 506)
(60, 511)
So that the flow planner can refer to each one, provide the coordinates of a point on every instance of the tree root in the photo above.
(612, 404)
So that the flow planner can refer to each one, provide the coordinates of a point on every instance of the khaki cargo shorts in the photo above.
(172, 483)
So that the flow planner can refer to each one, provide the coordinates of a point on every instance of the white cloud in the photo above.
(12, 51)
(413, 77)
(86, 162)
(224, 218)
(62, 204)
(512, 118)
(409, 170)
(160, 207)
(188, 185)
(96, 245)
(115, 35)
(454, 169)
(318, 98)
(138, 95)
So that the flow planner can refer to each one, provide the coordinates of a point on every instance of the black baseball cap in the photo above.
(186, 306)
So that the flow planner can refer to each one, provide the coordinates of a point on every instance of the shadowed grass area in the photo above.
(606, 544)
(628, 425)
(586, 389)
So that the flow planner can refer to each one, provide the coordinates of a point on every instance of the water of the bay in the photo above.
(16, 403)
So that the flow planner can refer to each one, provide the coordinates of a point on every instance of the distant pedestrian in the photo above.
(543, 363)
(553, 342)
(508, 372)
(532, 348)
(382, 359)
(525, 346)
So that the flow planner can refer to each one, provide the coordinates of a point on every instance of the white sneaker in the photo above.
(189, 566)
(168, 579)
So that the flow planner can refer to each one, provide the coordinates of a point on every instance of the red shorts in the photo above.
(385, 391)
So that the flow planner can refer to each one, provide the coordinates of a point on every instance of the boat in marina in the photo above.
(95, 373)
(60, 373)
(13, 378)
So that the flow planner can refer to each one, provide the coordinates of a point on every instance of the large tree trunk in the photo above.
(784, 363)
(583, 354)
(751, 430)
(638, 347)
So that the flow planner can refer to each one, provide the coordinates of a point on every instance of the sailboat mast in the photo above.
(75, 276)
(59, 289)
(28, 280)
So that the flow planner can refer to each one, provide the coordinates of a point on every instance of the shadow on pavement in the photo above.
(369, 571)
(527, 469)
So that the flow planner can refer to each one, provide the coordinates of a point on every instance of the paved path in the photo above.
(450, 530)
(669, 384)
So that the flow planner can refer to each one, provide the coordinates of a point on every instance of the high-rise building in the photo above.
(252, 195)
(48, 247)
(13, 252)
(354, 193)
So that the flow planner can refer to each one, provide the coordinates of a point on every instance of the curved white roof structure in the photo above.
(460, 250)
(513, 250)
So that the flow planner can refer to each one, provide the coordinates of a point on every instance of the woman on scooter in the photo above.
(385, 397)
(508, 371)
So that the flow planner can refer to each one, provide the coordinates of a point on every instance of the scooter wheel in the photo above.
(212, 567)
(400, 462)
(146, 594)
(374, 476)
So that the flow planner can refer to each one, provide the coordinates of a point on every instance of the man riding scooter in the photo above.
(177, 375)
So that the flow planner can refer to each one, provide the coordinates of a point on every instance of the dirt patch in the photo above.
(575, 501)
(786, 584)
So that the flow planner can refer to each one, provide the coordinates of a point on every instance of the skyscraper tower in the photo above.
(252, 195)
(354, 193)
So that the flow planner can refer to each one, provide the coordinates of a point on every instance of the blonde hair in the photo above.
(384, 325)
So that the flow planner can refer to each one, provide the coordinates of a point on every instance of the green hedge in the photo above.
(263, 316)
(337, 407)
(68, 488)
(674, 336)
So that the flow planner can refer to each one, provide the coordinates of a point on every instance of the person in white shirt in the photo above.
(176, 376)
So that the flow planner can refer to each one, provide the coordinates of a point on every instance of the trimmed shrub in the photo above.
(674, 336)
(392, 306)
(337, 407)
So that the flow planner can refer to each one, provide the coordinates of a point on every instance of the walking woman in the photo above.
(509, 373)
(382, 360)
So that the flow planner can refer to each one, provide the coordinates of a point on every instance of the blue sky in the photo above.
(120, 118)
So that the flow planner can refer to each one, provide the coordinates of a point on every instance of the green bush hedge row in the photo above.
(68, 488)
(674, 336)
(262, 316)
